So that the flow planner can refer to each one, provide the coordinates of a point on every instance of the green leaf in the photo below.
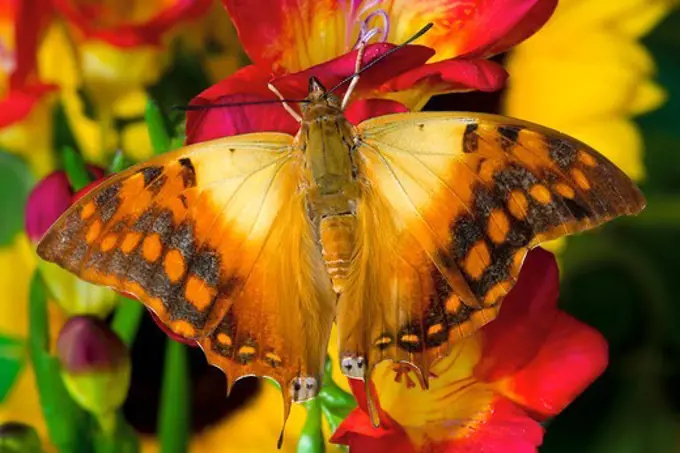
(76, 169)
(12, 359)
(126, 319)
(174, 417)
(66, 422)
(158, 129)
(16, 181)
(119, 162)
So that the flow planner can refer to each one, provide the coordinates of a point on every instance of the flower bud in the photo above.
(18, 438)
(95, 365)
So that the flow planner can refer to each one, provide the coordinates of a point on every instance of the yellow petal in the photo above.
(648, 96)
(57, 62)
(645, 17)
(136, 142)
(598, 76)
(18, 262)
(31, 138)
(111, 72)
(453, 395)
(131, 104)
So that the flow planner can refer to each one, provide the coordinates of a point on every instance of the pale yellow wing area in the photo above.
(197, 236)
(451, 204)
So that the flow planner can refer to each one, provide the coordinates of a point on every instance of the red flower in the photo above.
(21, 26)
(129, 24)
(491, 392)
(289, 41)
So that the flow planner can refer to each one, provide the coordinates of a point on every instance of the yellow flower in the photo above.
(586, 74)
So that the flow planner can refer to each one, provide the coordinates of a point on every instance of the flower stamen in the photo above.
(367, 32)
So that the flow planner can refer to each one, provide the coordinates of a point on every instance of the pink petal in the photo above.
(451, 75)
(249, 84)
(369, 108)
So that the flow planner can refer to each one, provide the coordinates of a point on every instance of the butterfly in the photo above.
(407, 230)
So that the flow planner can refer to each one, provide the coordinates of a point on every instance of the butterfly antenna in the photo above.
(358, 70)
(188, 108)
(286, 106)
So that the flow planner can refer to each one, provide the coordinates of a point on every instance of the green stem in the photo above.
(156, 124)
(174, 409)
(66, 422)
(126, 319)
(76, 170)
(311, 437)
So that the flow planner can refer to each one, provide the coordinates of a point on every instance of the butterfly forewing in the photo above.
(459, 199)
(196, 236)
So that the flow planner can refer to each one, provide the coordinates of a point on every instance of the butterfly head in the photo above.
(319, 98)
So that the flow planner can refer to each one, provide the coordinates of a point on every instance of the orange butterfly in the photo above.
(407, 230)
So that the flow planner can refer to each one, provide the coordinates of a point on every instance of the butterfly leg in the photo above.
(286, 106)
(357, 67)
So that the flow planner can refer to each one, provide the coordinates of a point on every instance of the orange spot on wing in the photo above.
(93, 231)
(174, 265)
(409, 338)
(183, 328)
(130, 241)
(198, 293)
(434, 329)
(477, 260)
(489, 168)
(517, 260)
(496, 292)
(540, 193)
(151, 248)
(109, 242)
(565, 190)
(246, 350)
(499, 226)
(224, 339)
(452, 304)
(88, 210)
(586, 159)
(518, 204)
(580, 179)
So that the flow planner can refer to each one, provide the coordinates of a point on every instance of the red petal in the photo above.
(369, 108)
(247, 84)
(478, 29)
(19, 103)
(451, 75)
(530, 24)
(526, 316)
(358, 431)
(96, 22)
(509, 430)
(334, 71)
(569, 360)
(30, 19)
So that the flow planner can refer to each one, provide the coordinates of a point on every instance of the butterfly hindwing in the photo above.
(191, 235)
(465, 197)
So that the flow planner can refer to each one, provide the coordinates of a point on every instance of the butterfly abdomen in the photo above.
(337, 246)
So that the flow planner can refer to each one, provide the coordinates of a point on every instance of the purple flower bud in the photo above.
(87, 344)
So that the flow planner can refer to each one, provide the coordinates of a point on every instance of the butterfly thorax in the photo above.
(327, 141)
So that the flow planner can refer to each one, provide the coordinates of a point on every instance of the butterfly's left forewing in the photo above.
(198, 236)
(457, 200)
